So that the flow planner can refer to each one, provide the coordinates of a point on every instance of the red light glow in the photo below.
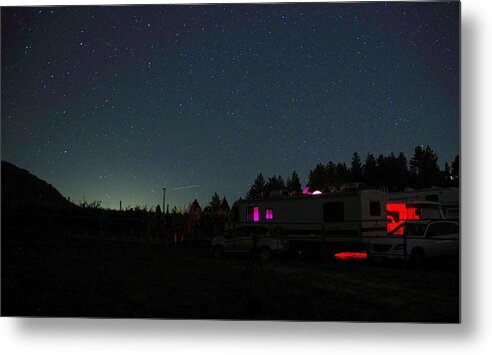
(398, 213)
(351, 255)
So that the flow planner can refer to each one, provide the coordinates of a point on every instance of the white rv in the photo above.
(447, 197)
(341, 219)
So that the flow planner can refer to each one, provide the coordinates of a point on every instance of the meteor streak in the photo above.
(186, 187)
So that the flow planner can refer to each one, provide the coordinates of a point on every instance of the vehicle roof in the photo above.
(414, 202)
(425, 222)
(300, 196)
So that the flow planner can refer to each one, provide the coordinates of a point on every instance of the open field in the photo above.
(91, 278)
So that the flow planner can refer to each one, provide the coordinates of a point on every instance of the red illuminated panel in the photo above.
(412, 214)
(398, 213)
(350, 255)
(395, 213)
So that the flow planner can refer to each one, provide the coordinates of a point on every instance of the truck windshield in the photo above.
(415, 229)
(410, 229)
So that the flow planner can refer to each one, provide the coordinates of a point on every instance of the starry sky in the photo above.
(114, 103)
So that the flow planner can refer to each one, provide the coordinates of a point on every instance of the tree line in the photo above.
(390, 172)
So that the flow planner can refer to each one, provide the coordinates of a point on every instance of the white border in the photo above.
(82, 336)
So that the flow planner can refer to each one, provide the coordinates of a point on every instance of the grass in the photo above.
(90, 278)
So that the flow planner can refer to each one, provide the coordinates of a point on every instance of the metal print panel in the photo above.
(291, 161)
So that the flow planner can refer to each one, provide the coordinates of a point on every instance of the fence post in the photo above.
(405, 256)
(325, 249)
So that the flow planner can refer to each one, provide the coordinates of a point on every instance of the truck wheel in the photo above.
(218, 251)
(265, 253)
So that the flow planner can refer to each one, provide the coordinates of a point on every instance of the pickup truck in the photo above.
(424, 240)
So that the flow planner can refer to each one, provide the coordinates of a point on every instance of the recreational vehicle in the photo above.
(347, 220)
(448, 197)
(341, 220)
(399, 212)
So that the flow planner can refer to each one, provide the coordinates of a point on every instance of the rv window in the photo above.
(333, 212)
(448, 228)
(375, 208)
(269, 213)
(253, 214)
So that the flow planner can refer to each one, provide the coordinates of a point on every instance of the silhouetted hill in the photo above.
(23, 191)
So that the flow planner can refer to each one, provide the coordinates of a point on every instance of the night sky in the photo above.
(115, 103)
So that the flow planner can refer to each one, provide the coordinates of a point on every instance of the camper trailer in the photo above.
(344, 220)
(401, 211)
(340, 220)
(447, 197)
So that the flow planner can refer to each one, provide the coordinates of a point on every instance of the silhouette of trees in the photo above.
(402, 174)
(224, 205)
(330, 175)
(317, 178)
(424, 169)
(455, 170)
(214, 216)
(370, 170)
(342, 174)
(258, 188)
(195, 208)
(293, 184)
(215, 202)
(391, 172)
(356, 172)
(274, 183)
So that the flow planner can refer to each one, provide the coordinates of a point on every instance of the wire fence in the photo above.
(45, 227)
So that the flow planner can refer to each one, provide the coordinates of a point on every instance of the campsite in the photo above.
(79, 277)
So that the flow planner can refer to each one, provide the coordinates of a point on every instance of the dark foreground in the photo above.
(89, 278)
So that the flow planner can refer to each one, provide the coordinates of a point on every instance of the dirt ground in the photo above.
(87, 278)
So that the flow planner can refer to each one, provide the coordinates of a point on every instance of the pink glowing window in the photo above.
(269, 213)
(253, 214)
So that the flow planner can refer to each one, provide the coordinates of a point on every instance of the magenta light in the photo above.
(305, 191)
(317, 192)
(268, 213)
(256, 214)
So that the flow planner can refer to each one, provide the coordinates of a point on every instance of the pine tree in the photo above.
(356, 173)
(330, 175)
(316, 179)
(293, 183)
(402, 174)
(370, 170)
(342, 174)
(194, 210)
(258, 188)
(224, 205)
(446, 176)
(455, 168)
(215, 202)
(274, 183)
(424, 168)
